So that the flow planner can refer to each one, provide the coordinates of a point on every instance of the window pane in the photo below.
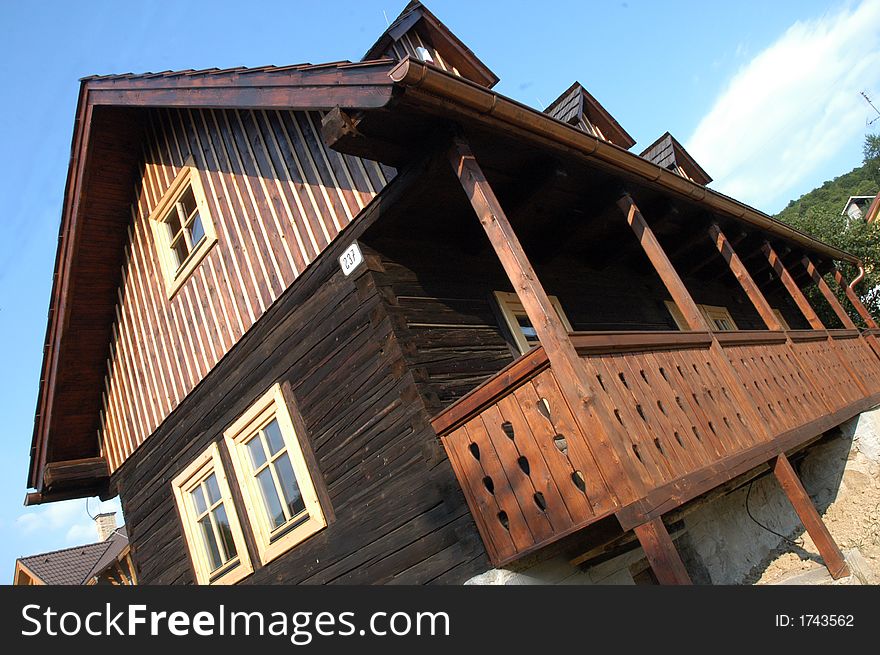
(255, 449)
(270, 498)
(210, 542)
(199, 499)
(225, 531)
(525, 325)
(213, 489)
(289, 487)
(188, 200)
(197, 232)
(180, 252)
(173, 223)
(273, 437)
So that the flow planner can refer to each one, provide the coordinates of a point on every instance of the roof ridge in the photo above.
(64, 550)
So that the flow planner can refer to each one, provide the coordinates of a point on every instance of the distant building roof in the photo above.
(77, 565)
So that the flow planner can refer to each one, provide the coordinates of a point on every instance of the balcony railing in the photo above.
(679, 411)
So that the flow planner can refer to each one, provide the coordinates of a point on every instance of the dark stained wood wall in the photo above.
(400, 516)
(441, 299)
(277, 197)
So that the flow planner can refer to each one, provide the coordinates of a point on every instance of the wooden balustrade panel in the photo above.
(770, 374)
(822, 364)
(527, 470)
(675, 409)
(862, 361)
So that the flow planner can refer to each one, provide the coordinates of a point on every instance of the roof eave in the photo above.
(418, 76)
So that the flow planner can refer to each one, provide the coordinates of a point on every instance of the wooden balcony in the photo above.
(670, 415)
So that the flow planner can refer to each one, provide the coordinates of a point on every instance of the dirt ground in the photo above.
(853, 518)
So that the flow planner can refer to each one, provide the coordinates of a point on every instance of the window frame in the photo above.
(176, 275)
(183, 484)
(709, 312)
(271, 542)
(511, 307)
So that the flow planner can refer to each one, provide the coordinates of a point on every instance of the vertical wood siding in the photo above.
(277, 196)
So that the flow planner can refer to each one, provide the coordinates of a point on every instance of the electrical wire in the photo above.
(749, 512)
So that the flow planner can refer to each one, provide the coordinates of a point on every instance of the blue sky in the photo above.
(765, 94)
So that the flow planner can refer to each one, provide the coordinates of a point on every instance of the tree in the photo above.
(818, 213)
(871, 152)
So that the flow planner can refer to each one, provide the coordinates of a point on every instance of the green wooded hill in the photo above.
(818, 213)
(829, 198)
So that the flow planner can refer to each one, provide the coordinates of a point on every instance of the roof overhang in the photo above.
(434, 92)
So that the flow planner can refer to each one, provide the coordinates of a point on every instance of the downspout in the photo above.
(858, 278)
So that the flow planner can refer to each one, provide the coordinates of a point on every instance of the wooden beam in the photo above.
(662, 555)
(75, 471)
(680, 295)
(742, 275)
(792, 287)
(693, 316)
(617, 468)
(805, 509)
(713, 258)
(828, 294)
(854, 299)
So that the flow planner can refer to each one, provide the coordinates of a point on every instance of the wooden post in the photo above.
(607, 439)
(854, 299)
(808, 515)
(680, 295)
(792, 287)
(688, 308)
(742, 275)
(829, 295)
(662, 554)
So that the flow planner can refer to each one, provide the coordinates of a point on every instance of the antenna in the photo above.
(868, 100)
(387, 23)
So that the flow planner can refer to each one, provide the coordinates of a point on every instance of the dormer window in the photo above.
(182, 228)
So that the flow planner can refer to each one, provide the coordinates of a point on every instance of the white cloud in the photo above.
(792, 106)
(64, 523)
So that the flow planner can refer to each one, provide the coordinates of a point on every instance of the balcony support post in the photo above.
(791, 286)
(607, 440)
(686, 305)
(661, 553)
(808, 515)
(828, 294)
(854, 299)
(744, 278)
(662, 264)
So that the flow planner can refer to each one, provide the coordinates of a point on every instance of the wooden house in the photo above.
(374, 322)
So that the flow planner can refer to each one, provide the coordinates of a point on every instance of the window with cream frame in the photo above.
(182, 227)
(518, 322)
(210, 523)
(274, 476)
(718, 318)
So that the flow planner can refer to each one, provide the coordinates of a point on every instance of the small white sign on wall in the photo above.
(351, 259)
